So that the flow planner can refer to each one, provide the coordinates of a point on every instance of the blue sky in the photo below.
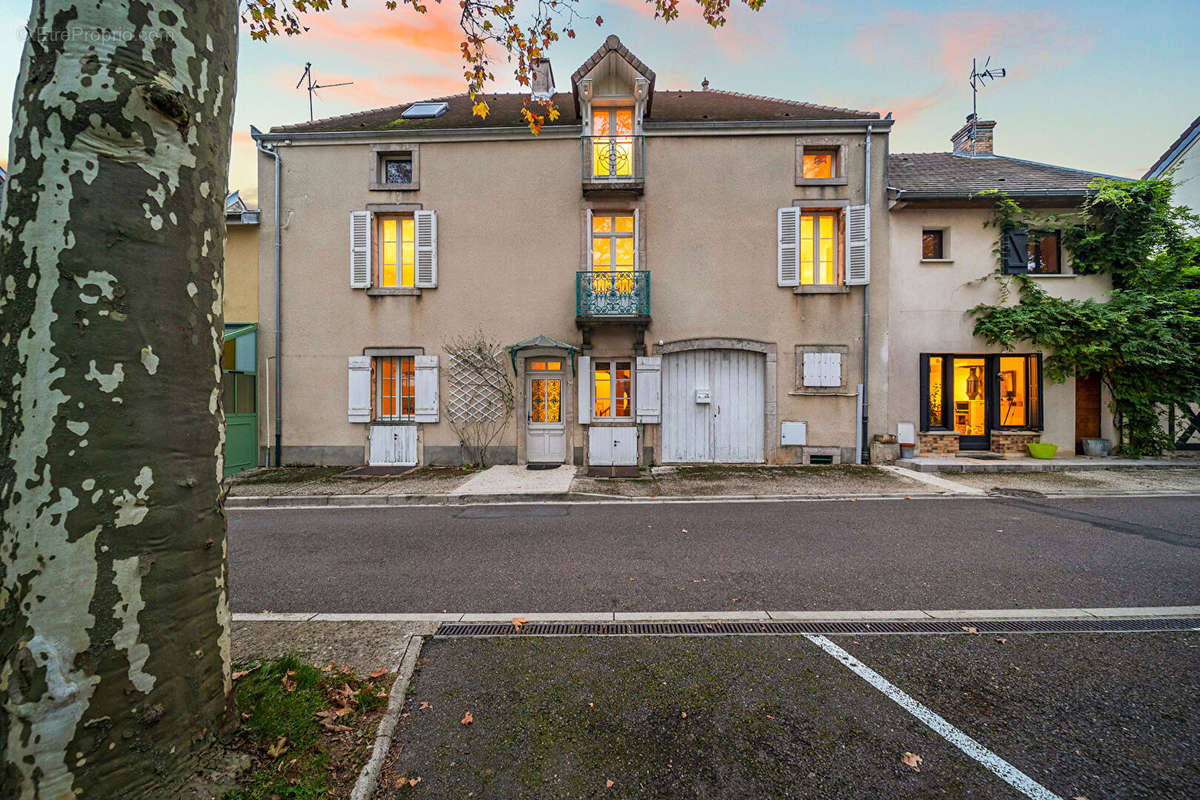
(1100, 85)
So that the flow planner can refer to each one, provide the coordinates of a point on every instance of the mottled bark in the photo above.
(114, 625)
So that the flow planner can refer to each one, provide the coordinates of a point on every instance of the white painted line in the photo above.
(1001, 768)
(368, 779)
(933, 480)
(273, 616)
(845, 616)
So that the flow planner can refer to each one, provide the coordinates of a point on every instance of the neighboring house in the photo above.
(760, 224)
(946, 388)
(240, 359)
(1183, 156)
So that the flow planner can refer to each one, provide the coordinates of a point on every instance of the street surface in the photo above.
(869, 554)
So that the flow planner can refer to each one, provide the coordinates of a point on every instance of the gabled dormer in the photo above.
(613, 92)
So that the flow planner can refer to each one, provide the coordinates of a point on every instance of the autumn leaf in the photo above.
(971, 629)
(683, 715)
(467, 719)
(414, 781)
(1001, 639)
(608, 784)
(424, 705)
(288, 683)
(279, 748)
(244, 672)
(480, 109)
(518, 622)
(912, 760)
(378, 673)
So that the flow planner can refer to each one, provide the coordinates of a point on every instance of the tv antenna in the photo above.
(312, 87)
(980, 78)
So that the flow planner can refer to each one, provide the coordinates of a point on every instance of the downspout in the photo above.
(864, 450)
(278, 317)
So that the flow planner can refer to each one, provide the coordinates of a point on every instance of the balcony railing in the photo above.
(612, 295)
(613, 162)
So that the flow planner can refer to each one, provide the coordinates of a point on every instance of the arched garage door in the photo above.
(713, 406)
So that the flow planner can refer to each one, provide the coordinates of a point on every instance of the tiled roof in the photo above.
(710, 105)
(1190, 132)
(613, 45)
(954, 174)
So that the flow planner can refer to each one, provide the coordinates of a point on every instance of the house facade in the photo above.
(948, 391)
(239, 358)
(670, 277)
(1182, 160)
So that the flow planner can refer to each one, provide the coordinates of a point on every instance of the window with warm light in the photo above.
(612, 143)
(613, 246)
(395, 388)
(612, 389)
(397, 252)
(820, 248)
(819, 163)
(933, 244)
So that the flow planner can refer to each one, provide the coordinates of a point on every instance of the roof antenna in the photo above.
(312, 87)
(980, 78)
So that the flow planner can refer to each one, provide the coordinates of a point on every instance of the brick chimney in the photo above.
(541, 81)
(983, 137)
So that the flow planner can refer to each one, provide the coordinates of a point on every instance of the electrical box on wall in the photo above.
(703, 396)
(793, 433)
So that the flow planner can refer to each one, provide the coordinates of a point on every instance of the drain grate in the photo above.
(456, 629)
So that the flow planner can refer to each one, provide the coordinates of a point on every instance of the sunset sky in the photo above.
(1095, 84)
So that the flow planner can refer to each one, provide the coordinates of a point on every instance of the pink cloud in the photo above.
(434, 34)
(737, 39)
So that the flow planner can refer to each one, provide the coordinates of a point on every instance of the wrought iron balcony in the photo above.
(614, 297)
(613, 164)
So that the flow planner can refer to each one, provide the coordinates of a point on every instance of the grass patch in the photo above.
(712, 472)
(308, 730)
(288, 475)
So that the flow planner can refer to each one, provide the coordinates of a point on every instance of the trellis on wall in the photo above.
(479, 394)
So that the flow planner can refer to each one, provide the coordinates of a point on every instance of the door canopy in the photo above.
(541, 340)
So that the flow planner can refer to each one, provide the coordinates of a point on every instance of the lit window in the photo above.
(933, 245)
(612, 143)
(937, 397)
(395, 388)
(1044, 253)
(612, 389)
(819, 247)
(397, 170)
(820, 163)
(612, 252)
(397, 252)
(545, 366)
(1018, 390)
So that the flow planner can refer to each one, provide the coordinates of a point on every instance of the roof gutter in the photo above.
(259, 138)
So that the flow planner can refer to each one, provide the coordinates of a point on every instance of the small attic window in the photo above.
(425, 110)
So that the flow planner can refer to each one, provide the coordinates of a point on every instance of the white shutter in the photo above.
(425, 382)
(823, 369)
(359, 405)
(624, 445)
(360, 249)
(600, 446)
(426, 236)
(858, 246)
(789, 246)
(636, 238)
(649, 389)
(587, 235)
(583, 382)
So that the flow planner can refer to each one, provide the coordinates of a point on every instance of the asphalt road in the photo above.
(878, 554)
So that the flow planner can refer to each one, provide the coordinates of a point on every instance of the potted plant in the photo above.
(1042, 449)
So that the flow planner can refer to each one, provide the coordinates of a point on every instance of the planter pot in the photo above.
(1042, 449)
(1097, 447)
(907, 450)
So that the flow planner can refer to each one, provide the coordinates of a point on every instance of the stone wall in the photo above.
(937, 444)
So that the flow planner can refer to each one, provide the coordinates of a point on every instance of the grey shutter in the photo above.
(360, 249)
(789, 246)
(649, 389)
(425, 233)
(583, 391)
(359, 403)
(637, 222)
(587, 236)
(1016, 250)
(425, 387)
(858, 246)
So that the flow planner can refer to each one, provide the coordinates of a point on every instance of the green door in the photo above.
(239, 395)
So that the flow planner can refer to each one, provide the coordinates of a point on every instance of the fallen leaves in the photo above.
(244, 672)
(467, 719)
(912, 760)
(971, 629)
(328, 719)
(1001, 639)
(279, 748)
(403, 779)
(518, 622)
(424, 705)
(288, 683)
(683, 715)
(379, 673)
(608, 784)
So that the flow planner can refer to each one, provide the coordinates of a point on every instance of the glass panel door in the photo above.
(970, 402)
(612, 143)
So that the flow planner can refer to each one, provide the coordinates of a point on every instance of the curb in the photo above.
(368, 779)
(1048, 466)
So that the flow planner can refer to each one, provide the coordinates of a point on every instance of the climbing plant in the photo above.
(1143, 339)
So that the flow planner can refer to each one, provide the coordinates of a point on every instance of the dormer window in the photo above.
(612, 143)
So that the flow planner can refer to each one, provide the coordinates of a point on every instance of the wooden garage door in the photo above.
(726, 429)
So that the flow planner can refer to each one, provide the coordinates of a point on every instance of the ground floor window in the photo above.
(395, 388)
(612, 389)
(972, 394)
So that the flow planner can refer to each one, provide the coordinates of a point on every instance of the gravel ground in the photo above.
(1091, 715)
(736, 480)
(365, 646)
(304, 481)
(1116, 479)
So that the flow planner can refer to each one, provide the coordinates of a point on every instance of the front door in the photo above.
(1087, 409)
(545, 430)
(970, 402)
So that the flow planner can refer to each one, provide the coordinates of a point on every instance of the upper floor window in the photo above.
(819, 247)
(612, 143)
(933, 244)
(612, 389)
(820, 162)
(613, 242)
(395, 167)
(397, 251)
(1033, 252)
(395, 388)
(398, 170)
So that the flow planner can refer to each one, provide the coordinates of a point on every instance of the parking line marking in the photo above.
(997, 765)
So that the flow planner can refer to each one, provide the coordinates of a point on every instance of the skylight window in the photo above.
(425, 110)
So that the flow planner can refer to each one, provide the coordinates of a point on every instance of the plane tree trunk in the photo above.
(114, 624)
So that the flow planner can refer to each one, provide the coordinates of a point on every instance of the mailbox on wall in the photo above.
(703, 396)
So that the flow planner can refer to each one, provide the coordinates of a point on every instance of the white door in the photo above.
(612, 446)
(393, 446)
(545, 430)
(713, 406)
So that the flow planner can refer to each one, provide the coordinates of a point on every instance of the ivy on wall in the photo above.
(1143, 340)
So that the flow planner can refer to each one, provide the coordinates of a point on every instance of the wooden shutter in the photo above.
(359, 405)
(1016, 250)
(360, 249)
(823, 369)
(583, 381)
(425, 381)
(649, 389)
(789, 246)
(425, 224)
(858, 246)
